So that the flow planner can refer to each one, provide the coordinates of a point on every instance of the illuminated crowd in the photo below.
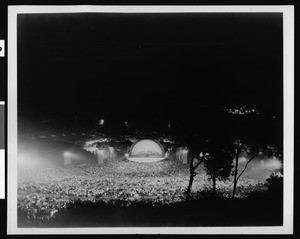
(43, 193)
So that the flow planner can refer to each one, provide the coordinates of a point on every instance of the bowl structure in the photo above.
(146, 151)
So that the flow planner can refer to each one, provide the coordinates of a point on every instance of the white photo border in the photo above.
(288, 80)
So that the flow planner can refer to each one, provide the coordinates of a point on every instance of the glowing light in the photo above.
(67, 158)
(185, 151)
(100, 156)
(273, 164)
(101, 122)
(27, 161)
(67, 154)
(100, 151)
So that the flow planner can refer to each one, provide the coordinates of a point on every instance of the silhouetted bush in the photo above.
(275, 183)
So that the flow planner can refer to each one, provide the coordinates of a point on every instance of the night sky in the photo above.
(147, 66)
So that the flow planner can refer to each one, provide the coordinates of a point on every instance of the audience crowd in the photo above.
(43, 193)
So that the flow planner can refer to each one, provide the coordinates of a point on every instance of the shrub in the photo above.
(275, 183)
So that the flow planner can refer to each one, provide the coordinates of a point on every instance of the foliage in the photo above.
(242, 149)
(218, 162)
(275, 183)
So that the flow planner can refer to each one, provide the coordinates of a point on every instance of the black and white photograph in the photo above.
(150, 117)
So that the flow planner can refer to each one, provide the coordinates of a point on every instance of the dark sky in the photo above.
(148, 65)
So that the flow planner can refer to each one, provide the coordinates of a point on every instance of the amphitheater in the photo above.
(146, 150)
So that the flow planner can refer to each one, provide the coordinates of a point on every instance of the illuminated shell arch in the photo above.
(146, 150)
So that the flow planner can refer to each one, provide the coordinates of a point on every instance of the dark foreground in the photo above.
(259, 209)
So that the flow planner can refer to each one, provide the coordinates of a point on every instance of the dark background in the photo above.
(148, 67)
(3, 32)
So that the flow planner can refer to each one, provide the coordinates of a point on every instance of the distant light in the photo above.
(67, 154)
(274, 117)
(169, 125)
(273, 164)
(185, 151)
(101, 122)
(126, 124)
(111, 149)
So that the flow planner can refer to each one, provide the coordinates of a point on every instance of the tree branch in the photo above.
(194, 167)
(245, 167)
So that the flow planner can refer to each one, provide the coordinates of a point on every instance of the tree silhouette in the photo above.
(217, 162)
(241, 148)
(194, 151)
(194, 143)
